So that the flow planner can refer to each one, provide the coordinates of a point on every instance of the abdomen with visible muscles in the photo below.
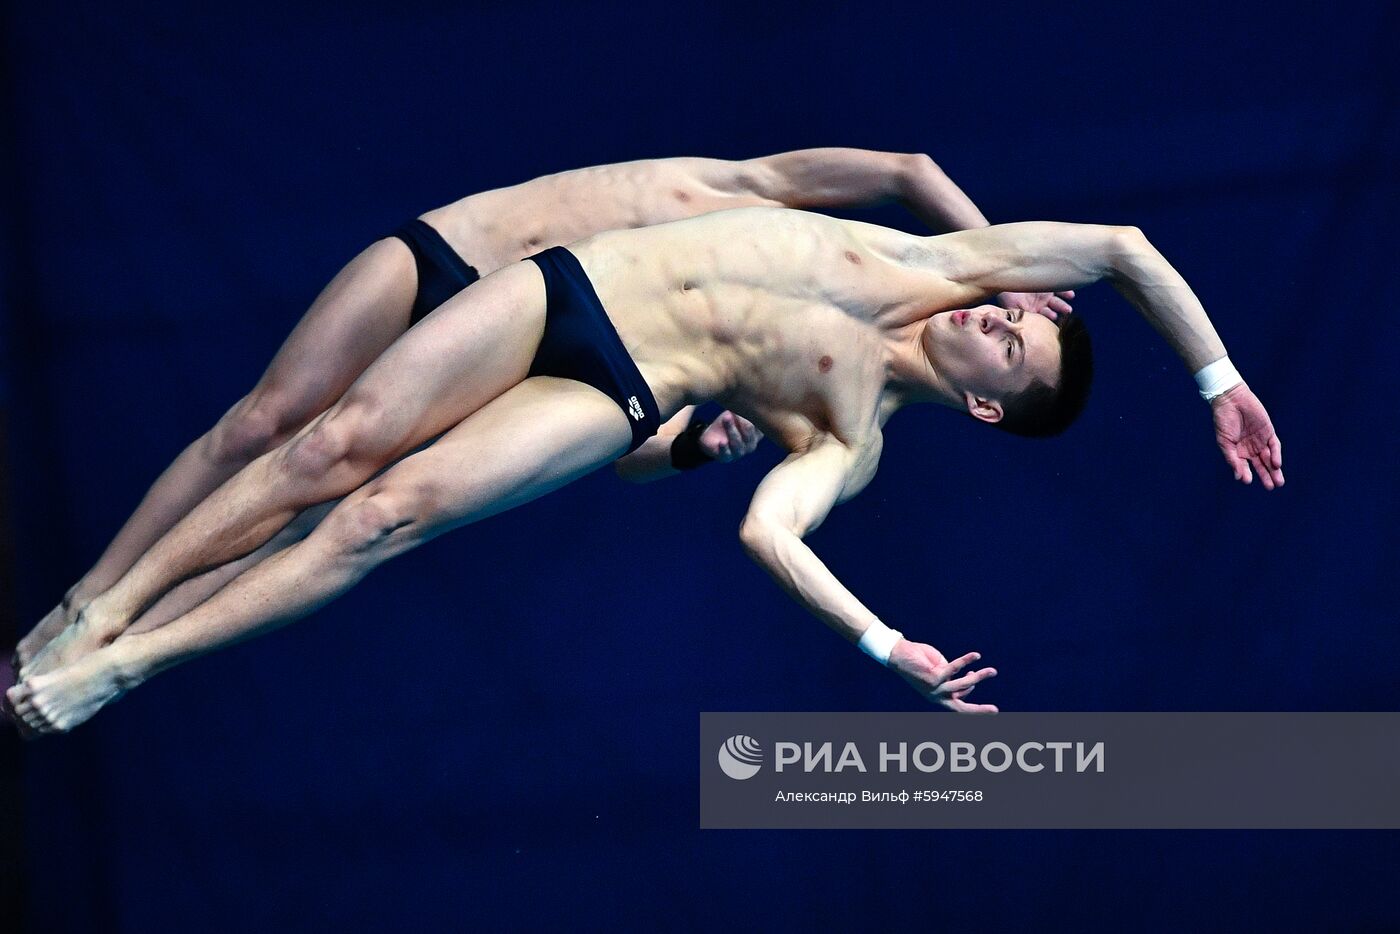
(768, 310)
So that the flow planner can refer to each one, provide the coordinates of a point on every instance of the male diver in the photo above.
(815, 329)
(398, 280)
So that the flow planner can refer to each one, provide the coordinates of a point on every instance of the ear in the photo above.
(984, 410)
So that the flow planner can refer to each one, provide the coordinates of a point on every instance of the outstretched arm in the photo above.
(1045, 255)
(836, 177)
(792, 501)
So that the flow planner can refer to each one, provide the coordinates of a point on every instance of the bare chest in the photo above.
(807, 368)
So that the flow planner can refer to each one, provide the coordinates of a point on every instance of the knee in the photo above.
(317, 450)
(250, 429)
(385, 519)
(349, 434)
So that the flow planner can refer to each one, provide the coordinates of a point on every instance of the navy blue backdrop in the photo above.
(498, 730)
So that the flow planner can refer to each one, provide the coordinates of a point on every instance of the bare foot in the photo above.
(60, 700)
(81, 638)
(57, 620)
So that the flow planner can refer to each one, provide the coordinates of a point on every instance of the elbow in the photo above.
(914, 170)
(765, 538)
(1127, 240)
(756, 535)
(921, 163)
(1127, 247)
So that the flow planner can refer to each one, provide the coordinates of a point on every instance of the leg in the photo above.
(196, 590)
(466, 353)
(533, 439)
(360, 313)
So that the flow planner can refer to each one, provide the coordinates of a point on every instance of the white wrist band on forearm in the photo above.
(1217, 378)
(878, 640)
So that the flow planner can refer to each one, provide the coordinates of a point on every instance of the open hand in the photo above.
(729, 438)
(1049, 304)
(937, 679)
(1246, 437)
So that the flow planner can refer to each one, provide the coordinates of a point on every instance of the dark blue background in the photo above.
(498, 730)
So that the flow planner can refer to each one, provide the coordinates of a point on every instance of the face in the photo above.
(991, 352)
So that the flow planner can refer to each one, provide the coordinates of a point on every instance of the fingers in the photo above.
(1045, 304)
(748, 431)
(749, 434)
(960, 707)
(1266, 475)
(736, 438)
(1237, 463)
(967, 681)
(729, 437)
(1059, 305)
(1067, 294)
(1276, 459)
(958, 664)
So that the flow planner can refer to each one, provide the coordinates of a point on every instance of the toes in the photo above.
(32, 719)
(43, 718)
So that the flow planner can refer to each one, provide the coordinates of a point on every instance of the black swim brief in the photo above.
(580, 342)
(441, 272)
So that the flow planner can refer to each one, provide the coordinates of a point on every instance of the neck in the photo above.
(910, 376)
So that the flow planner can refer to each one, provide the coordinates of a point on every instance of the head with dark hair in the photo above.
(1043, 411)
(1015, 370)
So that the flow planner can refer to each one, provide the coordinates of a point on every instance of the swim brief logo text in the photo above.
(634, 409)
(740, 757)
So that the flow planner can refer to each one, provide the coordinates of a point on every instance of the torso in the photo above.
(495, 228)
(786, 317)
(782, 316)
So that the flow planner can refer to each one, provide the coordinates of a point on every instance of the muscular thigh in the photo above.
(538, 436)
(363, 310)
(464, 354)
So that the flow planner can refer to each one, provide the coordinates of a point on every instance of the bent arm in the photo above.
(844, 178)
(665, 454)
(1062, 256)
(652, 461)
(792, 501)
(1045, 256)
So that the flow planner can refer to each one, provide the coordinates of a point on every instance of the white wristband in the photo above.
(878, 640)
(1217, 378)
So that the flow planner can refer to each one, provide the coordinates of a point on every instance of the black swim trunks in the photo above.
(441, 272)
(580, 342)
